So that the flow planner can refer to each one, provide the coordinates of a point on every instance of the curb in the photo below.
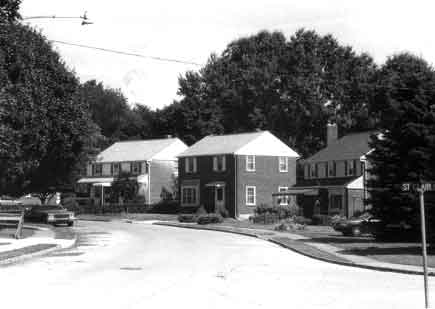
(349, 264)
(208, 229)
(25, 257)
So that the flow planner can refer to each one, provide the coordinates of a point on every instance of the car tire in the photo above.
(70, 223)
(356, 231)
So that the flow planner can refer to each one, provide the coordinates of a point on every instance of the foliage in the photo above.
(187, 218)
(165, 207)
(44, 126)
(282, 212)
(404, 151)
(209, 219)
(267, 82)
(124, 187)
(265, 218)
(9, 10)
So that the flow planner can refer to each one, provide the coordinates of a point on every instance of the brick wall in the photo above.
(266, 178)
(205, 175)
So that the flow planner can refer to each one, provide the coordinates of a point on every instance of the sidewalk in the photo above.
(43, 241)
(319, 251)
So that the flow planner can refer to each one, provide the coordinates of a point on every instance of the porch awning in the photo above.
(216, 184)
(296, 191)
(105, 182)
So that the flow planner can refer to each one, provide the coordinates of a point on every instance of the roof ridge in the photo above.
(146, 140)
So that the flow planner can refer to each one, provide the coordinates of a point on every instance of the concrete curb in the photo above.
(207, 229)
(25, 257)
(350, 264)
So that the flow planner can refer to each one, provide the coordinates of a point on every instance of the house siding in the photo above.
(266, 178)
(162, 172)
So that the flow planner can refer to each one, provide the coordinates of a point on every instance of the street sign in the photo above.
(421, 188)
(426, 186)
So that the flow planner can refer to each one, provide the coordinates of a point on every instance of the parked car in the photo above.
(50, 214)
(364, 224)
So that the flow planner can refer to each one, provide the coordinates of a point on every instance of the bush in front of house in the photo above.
(187, 218)
(302, 220)
(267, 214)
(210, 219)
(265, 218)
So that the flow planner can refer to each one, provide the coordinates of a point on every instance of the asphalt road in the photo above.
(122, 265)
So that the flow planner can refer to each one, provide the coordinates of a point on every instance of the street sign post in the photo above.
(421, 188)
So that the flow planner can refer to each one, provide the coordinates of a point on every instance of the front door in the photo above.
(219, 198)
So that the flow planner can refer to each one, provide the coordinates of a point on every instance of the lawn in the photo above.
(408, 253)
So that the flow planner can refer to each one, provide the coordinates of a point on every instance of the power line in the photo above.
(126, 53)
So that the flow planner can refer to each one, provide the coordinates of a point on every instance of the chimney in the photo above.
(332, 133)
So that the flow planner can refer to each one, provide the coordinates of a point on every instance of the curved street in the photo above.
(121, 265)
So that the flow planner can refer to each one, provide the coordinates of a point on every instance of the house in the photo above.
(333, 180)
(236, 172)
(153, 163)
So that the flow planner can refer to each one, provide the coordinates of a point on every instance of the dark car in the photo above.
(50, 214)
(364, 224)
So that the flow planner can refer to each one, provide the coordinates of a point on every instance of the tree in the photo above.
(267, 82)
(44, 126)
(404, 151)
(123, 186)
(9, 10)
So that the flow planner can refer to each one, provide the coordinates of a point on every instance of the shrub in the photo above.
(282, 212)
(201, 211)
(302, 220)
(265, 218)
(187, 218)
(209, 219)
(166, 207)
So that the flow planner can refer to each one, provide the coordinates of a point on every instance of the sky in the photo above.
(191, 30)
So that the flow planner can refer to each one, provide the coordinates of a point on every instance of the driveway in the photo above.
(121, 265)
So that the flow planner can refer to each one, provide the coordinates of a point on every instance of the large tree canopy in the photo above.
(44, 125)
(9, 10)
(404, 151)
(267, 82)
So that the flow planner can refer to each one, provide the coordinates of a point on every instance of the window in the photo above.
(313, 170)
(283, 200)
(189, 195)
(126, 167)
(250, 195)
(136, 168)
(332, 166)
(283, 164)
(308, 171)
(219, 163)
(191, 166)
(97, 169)
(351, 168)
(250, 163)
(115, 168)
(336, 202)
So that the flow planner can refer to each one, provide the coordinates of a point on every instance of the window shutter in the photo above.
(224, 163)
(215, 163)
(186, 165)
(194, 165)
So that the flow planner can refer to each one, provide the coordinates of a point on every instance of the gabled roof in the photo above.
(349, 147)
(255, 143)
(141, 150)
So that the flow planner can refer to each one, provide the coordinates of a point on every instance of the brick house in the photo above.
(236, 172)
(153, 163)
(333, 180)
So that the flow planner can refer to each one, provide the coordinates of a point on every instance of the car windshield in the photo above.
(48, 207)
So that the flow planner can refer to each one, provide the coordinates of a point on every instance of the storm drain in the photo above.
(130, 268)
